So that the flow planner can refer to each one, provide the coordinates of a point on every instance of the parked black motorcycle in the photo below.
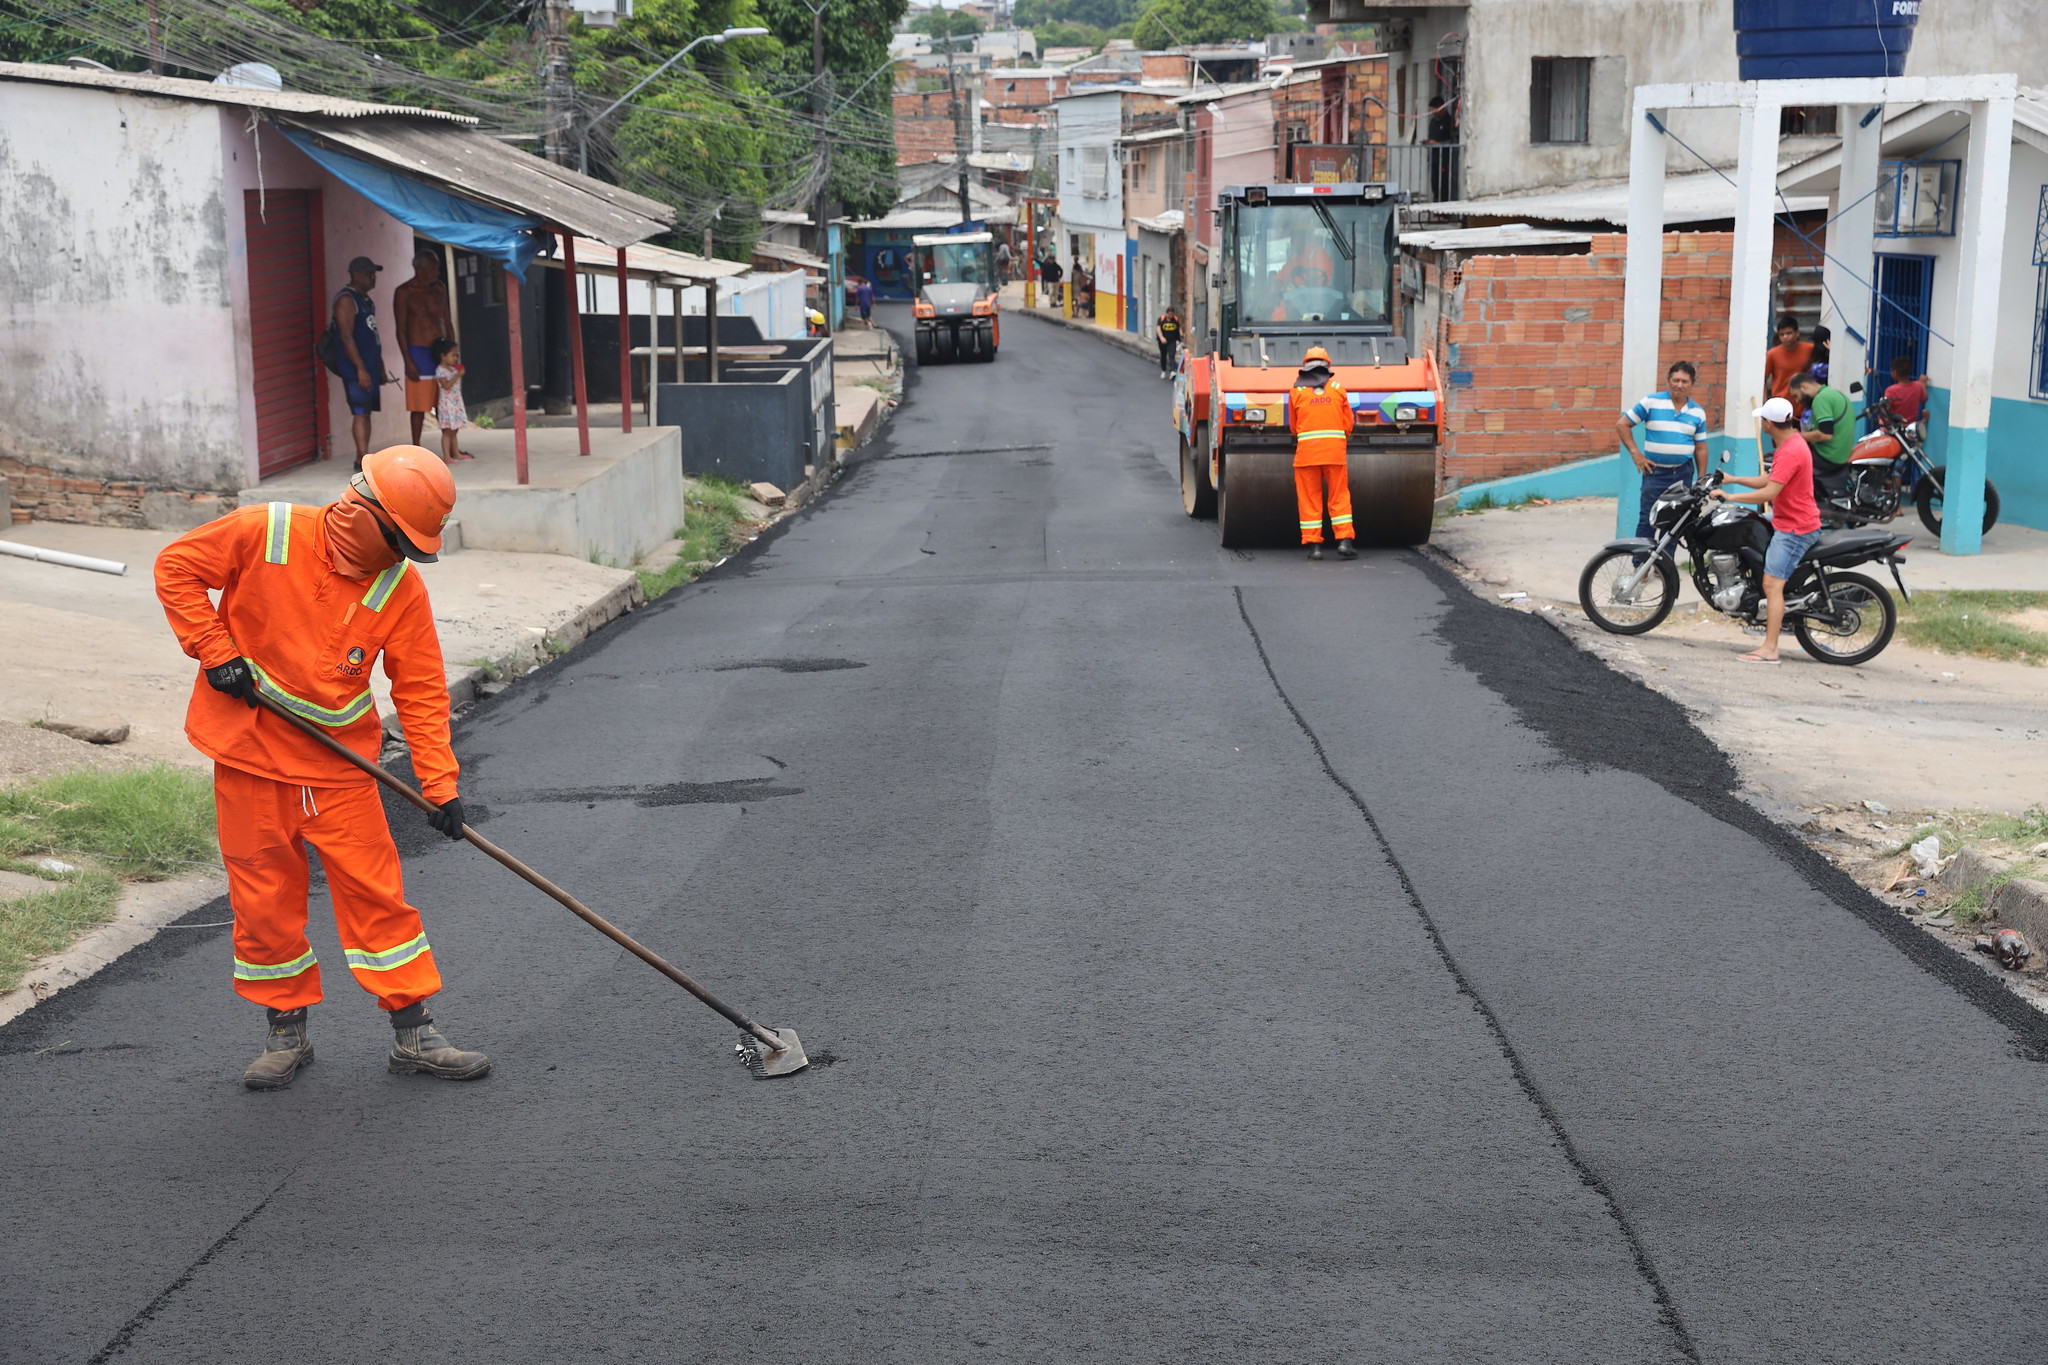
(1838, 617)
(1886, 468)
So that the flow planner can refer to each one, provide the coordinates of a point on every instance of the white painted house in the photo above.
(1091, 190)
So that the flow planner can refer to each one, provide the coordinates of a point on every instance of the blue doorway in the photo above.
(1901, 303)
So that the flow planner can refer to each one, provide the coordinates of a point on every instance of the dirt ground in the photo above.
(1912, 729)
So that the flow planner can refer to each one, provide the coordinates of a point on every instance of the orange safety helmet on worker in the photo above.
(1319, 414)
(311, 598)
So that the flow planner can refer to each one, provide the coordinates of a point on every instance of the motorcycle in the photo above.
(1838, 617)
(1885, 469)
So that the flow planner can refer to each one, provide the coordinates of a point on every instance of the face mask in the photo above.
(356, 539)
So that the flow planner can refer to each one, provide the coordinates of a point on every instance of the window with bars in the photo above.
(2037, 374)
(1560, 93)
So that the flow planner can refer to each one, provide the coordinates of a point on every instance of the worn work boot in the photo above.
(1346, 550)
(1315, 550)
(419, 1046)
(286, 1050)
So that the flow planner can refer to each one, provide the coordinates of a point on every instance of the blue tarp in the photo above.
(433, 212)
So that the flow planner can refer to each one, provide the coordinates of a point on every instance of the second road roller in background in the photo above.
(1300, 266)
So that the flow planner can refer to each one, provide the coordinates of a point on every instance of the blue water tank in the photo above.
(1778, 40)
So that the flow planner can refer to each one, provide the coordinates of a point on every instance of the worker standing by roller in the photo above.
(310, 598)
(1319, 414)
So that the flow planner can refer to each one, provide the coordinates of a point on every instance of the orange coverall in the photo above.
(312, 636)
(1321, 420)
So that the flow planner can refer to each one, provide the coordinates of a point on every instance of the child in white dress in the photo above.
(451, 412)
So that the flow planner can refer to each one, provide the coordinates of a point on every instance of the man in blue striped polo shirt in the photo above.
(1674, 445)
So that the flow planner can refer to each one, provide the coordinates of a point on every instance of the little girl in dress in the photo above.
(452, 414)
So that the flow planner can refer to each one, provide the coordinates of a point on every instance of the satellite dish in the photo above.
(251, 76)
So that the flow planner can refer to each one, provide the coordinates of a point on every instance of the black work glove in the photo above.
(235, 678)
(448, 818)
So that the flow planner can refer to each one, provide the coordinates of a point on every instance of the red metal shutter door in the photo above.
(281, 299)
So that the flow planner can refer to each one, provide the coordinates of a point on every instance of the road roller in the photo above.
(1301, 266)
(957, 311)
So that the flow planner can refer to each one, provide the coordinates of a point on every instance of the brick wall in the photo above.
(925, 130)
(51, 495)
(1533, 368)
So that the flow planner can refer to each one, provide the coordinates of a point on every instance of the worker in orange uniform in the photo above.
(310, 598)
(1319, 414)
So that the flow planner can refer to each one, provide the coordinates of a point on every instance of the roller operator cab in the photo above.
(957, 311)
(1299, 266)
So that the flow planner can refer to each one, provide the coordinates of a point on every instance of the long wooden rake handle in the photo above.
(575, 907)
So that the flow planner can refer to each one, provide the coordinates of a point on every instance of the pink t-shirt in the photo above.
(1794, 509)
(1906, 399)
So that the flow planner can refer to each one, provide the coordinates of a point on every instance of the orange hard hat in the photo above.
(1314, 354)
(413, 486)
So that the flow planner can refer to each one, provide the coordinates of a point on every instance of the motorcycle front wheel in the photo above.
(1617, 606)
(1868, 619)
(1928, 497)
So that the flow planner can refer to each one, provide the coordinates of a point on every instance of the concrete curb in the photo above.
(144, 908)
(524, 658)
(2023, 905)
(1136, 345)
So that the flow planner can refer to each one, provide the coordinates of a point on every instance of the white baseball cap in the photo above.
(1774, 410)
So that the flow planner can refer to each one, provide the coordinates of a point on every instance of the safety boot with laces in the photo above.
(286, 1050)
(419, 1046)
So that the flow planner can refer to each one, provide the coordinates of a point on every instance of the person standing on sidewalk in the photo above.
(419, 310)
(1319, 414)
(309, 598)
(363, 374)
(1795, 515)
(1168, 330)
(1674, 444)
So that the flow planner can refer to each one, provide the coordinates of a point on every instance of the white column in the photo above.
(1847, 271)
(1987, 167)
(1749, 292)
(1642, 308)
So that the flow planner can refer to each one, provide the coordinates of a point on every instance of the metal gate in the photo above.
(284, 311)
(1899, 314)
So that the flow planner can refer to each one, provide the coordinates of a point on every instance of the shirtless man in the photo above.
(419, 309)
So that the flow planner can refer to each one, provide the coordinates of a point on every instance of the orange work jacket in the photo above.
(312, 636)
(1321, 420)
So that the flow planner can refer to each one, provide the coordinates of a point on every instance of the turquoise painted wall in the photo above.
(2018, 458)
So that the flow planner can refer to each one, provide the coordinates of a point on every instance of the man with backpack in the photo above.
(353, 350)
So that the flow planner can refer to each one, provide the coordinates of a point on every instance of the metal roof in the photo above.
(206, 92)
(795, 255)
(481, 167)
(1701, 197)
(1487, 238)
(952, 239)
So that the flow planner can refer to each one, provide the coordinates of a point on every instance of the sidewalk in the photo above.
(867, 381)
(1914, 729)
(82, 643)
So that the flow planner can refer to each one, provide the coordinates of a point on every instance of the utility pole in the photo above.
(820, 110)
(558, 91)
(156, 52)
(960, 141)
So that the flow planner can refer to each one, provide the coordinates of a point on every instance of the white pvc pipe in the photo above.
(69, 561)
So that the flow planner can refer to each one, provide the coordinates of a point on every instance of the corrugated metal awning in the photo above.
(795, 255)
(480, 167)
(206, 92)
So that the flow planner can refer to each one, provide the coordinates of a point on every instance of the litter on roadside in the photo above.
(1875, 807)
(55, 865)
(2009, 946)
(1926, 855)
(1512, 596)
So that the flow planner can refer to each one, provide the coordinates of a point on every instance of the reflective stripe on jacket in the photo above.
(1321, 420)
(313, 637)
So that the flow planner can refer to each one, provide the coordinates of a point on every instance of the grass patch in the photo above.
(40, 924)
(1487, 502)
(716, 524)
(1976, 624)
(144, 824)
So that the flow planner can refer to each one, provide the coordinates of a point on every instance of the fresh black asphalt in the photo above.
(1205, 957)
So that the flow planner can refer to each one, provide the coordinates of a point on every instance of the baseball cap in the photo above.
(1774, 410)
(363, 263)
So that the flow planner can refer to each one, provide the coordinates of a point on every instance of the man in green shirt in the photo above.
(1832, 429)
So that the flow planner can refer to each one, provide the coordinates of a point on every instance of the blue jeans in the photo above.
(1786, 550)
(1660, 477)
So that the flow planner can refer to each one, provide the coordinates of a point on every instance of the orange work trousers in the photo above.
(1312, 484)
(264, 829)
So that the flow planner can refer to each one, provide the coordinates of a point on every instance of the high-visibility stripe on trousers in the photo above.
(1314, 486)
(264, 829)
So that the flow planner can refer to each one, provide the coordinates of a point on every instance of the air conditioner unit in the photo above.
(602, 13)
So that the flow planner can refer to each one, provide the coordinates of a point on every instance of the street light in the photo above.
(583, 153)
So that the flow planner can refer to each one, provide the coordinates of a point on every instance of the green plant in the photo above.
(1975, 623)
(717, 525)
(1487, 502)
(1975, 901)
(488, 668)
(145, 823)
(31, 926)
